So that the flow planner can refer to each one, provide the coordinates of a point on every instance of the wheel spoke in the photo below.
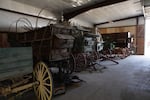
(38, 92)
(44, 97)
(46, 84)
(46, 79)
(41, 92)
(46, 94)
(43, 71)
(45, 88)
(44, 74)
(41, 66)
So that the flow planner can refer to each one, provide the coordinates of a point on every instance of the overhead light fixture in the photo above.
(74, 0)
(76, 3)
(87, 12)
(79, 2)
(73, 5)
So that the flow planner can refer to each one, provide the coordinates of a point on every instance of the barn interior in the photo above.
(74, 49)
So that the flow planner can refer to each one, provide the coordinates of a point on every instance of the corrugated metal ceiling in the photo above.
(108, 13)
(113, 12)
(57, 6)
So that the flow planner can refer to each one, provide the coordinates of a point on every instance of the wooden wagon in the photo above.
(52, 61)
(87, 50)
(117, 44)
(16, 68)
(86, 53)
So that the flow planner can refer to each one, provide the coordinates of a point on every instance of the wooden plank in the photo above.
(15, 61)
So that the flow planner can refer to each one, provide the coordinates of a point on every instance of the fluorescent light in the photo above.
(74, 0)
(74, 5)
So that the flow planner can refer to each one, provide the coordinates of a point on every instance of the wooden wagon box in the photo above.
(63, 41)
(15, 61)
(59, 54)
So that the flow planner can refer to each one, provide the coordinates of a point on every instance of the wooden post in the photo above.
(136, 35)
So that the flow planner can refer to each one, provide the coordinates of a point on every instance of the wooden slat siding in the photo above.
(140, 46)
(139, 40)
(15, 62)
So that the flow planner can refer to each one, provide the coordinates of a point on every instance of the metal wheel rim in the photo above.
(41, 74)
(69, 65)
(96, 57)
(74, 63)
(81, 63)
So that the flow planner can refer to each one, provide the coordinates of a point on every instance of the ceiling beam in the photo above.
(82, 9)
(127, 18)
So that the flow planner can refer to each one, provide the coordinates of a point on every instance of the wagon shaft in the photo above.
(8, 90)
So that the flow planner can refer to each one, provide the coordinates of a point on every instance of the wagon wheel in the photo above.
(72, 63)
(44, 89)
(81, 62)
(96, 55)
(69, 65)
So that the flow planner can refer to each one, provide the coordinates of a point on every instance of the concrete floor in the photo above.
(129, 80)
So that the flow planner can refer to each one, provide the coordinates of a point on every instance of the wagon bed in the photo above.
(16, 61)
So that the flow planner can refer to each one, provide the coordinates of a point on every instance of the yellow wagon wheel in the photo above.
(41, 74)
